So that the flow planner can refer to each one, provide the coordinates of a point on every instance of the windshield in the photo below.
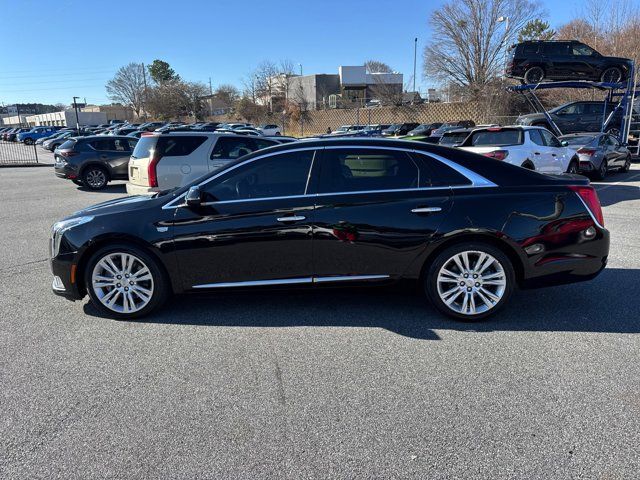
(579, 139)
(453, 138)
(496, 138)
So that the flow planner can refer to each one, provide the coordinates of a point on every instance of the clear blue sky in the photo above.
(72, 47)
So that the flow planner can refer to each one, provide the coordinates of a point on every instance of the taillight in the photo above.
(68, 153)
(497, 154)
(590, 198)
(587, 151)
(151, 169)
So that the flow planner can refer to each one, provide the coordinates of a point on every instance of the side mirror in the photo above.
(564, 143)
(193, 197)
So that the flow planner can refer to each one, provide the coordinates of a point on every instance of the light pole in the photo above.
(506, 42)
(75, 107)
(300, 65)
(415, 51)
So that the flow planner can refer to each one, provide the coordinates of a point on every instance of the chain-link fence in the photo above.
(16, 154)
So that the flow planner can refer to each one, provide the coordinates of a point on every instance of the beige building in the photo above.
(113, 112)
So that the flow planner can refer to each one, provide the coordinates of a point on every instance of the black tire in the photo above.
(627, 165)
(28, 141)
(611, 75)
(430, 280)
(528, 164)
(534, 75)
(601, 173)
(160, 283)
(95, 177)
(574, 167)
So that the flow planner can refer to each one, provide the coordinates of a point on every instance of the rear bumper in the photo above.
(64, 170)
(133, 189)
(583, 262)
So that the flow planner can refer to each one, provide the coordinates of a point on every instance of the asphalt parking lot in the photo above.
(330, 384)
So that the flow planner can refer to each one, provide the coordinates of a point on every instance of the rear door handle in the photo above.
(553, 155)
(426, 209)
(292, 218)
(536, 153)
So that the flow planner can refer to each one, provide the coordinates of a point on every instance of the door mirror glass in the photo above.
(564, 143)
(193, 197)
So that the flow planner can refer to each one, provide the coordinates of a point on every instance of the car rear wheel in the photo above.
(601, 173)
(470, 281)
(95, 178)
(573, 166)
(28, 141)
(125, 282)
(534, 75)
(611, 75)
(627, 164)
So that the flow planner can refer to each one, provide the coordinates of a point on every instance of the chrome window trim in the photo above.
(292, 281)
(593, 217)
(477, 181)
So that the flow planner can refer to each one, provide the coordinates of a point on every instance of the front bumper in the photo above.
(65, 284)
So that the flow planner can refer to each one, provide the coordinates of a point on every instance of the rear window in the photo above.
(173, 146)
(452, 138)
(495, 138)
(579, 140)
(68, 144)
(528, 49)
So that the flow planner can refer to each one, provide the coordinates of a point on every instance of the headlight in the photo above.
(61, 227)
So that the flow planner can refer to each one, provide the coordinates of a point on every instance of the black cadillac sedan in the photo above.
(333, 212)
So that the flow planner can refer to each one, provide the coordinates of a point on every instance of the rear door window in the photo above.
(556, 49)
(434, 173)
(230, 148)
(121, 145)
(179, 145)
(103, 144)
(360, 170)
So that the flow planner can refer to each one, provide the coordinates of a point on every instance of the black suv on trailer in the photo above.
(539, 60)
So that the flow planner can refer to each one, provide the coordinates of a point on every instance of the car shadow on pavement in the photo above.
(613, 194)
(112, 188)
(594, 306)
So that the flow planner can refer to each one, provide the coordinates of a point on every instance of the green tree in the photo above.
(536, 30)
(161, 72)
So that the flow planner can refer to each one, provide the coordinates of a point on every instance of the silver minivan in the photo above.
(166, 160)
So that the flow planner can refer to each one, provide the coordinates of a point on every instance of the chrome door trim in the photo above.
(293, 218)
(477, 181)
(347, 278)
(257, 283)
(426, 209)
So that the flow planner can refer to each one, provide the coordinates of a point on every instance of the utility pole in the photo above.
(75, 107)
(210, 98)
(415, 52)
(144, 93)
(300, 65)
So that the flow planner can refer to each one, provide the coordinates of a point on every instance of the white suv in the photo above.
(269, 130)
(535, 148)
(165, 160)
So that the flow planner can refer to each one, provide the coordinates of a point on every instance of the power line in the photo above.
(55, 81)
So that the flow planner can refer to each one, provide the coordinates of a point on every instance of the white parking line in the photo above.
(609, 185)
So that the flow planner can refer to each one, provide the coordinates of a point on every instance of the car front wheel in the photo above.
(470, 281)
(125, 282)
(601, 173)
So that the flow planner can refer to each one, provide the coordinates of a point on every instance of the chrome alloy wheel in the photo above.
(96, 178)
(122, 282)
(471, 282)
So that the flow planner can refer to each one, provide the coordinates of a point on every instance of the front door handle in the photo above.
(426, 209)
(553, 155)
(536, 153)
(292, 218)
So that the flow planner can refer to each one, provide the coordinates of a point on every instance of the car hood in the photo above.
(120, 205)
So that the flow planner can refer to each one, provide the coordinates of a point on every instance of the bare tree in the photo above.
(228, 94)
(469, 39)
(376, 66)
(127, 86)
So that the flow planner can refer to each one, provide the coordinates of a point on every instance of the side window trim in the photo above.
(477, 181)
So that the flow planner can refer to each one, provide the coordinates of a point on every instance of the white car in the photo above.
(535, 148)
(270, 129)
(162, 161)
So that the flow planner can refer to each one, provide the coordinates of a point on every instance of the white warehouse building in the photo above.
(67, 118)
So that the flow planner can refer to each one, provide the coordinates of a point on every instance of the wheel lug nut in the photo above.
(466, 275)
(119, 285)
(126, 289)
(119, 277)
(475, 275)
(477, 284)
(468, 289)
